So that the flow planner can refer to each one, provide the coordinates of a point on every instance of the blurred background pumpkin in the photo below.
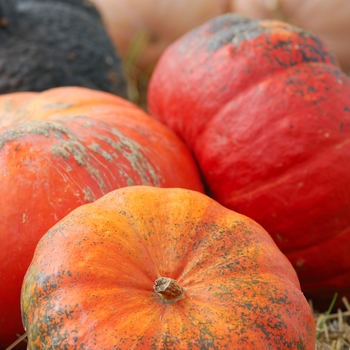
(50, 43)
(329, 20)
(141, 30)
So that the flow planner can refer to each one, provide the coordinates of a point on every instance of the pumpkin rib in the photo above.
(245, 194)
(313, 252)
(328, 283)
(283, 176)
(248, 89)
(193, 272)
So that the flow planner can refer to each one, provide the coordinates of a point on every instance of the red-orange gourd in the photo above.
(151, 268)
(266, 111)
(81, 145)
(327, 19)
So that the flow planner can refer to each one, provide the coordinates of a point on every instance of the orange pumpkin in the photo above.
(83, 144)
(64, 101)
(151, 268)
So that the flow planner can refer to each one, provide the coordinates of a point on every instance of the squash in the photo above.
(50, 43)
(150, 268)
(329, 20)
(9, 104)
(142, 30)
(83, 144)
(265, 109)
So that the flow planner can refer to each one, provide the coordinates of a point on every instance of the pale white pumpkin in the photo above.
(142, 29)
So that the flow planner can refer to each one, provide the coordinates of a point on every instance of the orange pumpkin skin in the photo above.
(49, 167)
(10, 102)
(91, 279)
(61, 101)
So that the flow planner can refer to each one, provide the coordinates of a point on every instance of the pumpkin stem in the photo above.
(168, 289)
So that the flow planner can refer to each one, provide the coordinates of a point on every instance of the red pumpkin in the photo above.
(84, 149)
(266, 111)
(151, 268)
(327, 19)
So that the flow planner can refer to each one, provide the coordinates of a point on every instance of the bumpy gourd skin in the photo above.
(266, 111)
(90, 284)
(45, 44)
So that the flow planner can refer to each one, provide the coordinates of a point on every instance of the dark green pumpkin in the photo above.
(51, 43)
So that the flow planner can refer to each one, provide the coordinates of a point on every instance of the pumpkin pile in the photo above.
(65, 147)
(265, 109)
(202, 225)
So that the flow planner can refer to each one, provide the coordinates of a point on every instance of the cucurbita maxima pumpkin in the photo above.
(150, 268)
(265, 109)
(85, 144)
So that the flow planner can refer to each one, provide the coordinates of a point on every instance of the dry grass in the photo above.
(137, 79)
(333, 329)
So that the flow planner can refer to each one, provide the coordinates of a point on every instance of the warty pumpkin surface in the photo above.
(49, 167)
(266, 111)
(96, 279)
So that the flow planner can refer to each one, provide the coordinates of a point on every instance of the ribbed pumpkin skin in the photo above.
(49, 167)
(266, 112)
(90, 283)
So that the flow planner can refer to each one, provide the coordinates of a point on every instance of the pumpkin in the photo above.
(76, 153)
(50, 43)
(10, 102)
(142, 30)
(327, 19)
(265, 109)
(151, 268)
